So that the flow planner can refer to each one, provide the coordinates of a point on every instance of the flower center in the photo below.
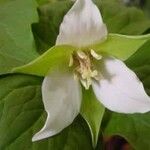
(84, 68)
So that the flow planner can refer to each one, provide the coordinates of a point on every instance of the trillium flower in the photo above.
(114, 84)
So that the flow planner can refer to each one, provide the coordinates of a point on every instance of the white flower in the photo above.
(114, 84)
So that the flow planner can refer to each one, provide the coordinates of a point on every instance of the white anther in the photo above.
(95, 55)
(94, 73)
(81, 55)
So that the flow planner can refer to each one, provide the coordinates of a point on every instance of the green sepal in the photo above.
(121, 46)
(54, 57)
(92, 111)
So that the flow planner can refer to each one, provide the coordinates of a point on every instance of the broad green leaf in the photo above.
(92, 111)
(22, 115)
(121, 46)
(16, 40)
(54, 57)
(135, 128)
(122, 20)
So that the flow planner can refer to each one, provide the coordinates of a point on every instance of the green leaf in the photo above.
(16, 40)
(22, 115)
(135, 128)
(54, 57)
(122, 20)
(41, 2)
(92, 111)
(121, 46)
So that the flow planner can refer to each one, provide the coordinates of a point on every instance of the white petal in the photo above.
(62, 99)
(82, 25)
(120, 90)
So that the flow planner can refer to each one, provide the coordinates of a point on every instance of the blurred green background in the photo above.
(143, 4)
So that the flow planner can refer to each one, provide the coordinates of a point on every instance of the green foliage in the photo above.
(146, 7)
(143, 4)
(41, 2)
(51, 16)
(16, 40)
(121, 19)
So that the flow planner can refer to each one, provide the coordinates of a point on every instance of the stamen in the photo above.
(71, 61)
(86, 74)
(94, 73)
(95, 55)
(84, 69)
(86, 83)
(81, 54)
